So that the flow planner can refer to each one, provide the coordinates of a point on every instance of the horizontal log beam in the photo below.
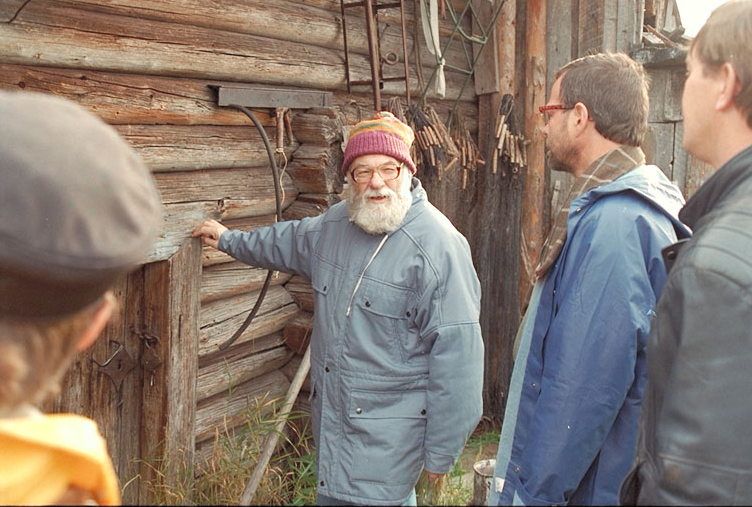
(231, 279)
(214, 312)
(224, 375)
(57, 34)
(292, 21)
(272, 317)
(169, 148)
(123, 99)
(225, 411)
(120, 98)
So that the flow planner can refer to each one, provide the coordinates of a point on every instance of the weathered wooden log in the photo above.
(227, 185)
(120, 98)
(301, 291)
(263, 324)
(57, 34)
(297, 332)
(221, 194)
(316, 129)
(193, 147)
(316, 169)
(230, 279)
(303, 22)
(267, 321)
(220, 310)
(226, 374)
(262, 344)
(301, 209)
(228, 410)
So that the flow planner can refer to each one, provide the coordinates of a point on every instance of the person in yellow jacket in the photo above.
(78, 209)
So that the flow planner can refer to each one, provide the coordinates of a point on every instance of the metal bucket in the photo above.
(482, 478)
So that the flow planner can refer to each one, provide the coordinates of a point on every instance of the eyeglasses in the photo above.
(544, 110)
(364, 174)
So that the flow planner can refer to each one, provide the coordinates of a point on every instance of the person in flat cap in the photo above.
(396, 349)
(79, 210)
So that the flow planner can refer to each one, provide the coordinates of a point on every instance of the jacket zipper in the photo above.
(360, 278)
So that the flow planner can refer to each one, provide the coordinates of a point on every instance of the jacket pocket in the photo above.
(388, 429)
(389, 313)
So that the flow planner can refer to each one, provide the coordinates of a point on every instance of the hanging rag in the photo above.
(431, 33)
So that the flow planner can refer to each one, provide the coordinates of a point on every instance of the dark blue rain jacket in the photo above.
(571, 418)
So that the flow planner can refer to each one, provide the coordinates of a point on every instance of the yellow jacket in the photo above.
(42, 458)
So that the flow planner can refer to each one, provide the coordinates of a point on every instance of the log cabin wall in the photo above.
(145, 67)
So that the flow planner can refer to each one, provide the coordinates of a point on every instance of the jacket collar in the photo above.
(419, 199)
(718, 187)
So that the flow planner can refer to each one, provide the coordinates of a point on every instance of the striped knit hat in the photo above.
(384, 134)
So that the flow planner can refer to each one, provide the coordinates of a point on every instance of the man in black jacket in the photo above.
(695, 438)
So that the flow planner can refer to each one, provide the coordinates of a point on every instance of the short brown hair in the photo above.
(614, 88)
(726, 37)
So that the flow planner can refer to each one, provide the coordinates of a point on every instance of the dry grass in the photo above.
(290, 476)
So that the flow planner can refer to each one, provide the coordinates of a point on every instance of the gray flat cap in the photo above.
(78, 207)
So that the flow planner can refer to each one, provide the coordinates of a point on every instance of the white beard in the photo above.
(379, 218)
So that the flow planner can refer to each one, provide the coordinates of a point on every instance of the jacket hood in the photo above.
(649, 182)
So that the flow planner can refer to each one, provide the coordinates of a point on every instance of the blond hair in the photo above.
(34, 356)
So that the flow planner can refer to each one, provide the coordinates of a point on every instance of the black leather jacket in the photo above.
(695, 432)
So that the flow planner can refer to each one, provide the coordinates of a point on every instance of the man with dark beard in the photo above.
(570, 424)
(396, 350)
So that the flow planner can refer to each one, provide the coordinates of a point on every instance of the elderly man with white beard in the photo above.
(396, 349)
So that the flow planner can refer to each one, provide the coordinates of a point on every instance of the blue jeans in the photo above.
(411, 501)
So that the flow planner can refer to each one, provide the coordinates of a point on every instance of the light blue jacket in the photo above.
(570, 424)
(396, 350)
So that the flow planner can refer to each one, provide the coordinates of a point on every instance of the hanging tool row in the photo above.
(469, 154)
(510, 147)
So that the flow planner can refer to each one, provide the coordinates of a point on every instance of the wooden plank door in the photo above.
(138, 381)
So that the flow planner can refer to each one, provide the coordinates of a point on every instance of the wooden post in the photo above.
(170, 361)
(533, 200)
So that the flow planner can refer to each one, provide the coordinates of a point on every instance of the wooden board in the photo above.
(659, 146)
(152, 340)
(228, 410)
(58, 34)
(179, 220)
(188, 148)
(121, 98)
(230, 279)
(170, 364)
(237, 367)
(223, 318)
